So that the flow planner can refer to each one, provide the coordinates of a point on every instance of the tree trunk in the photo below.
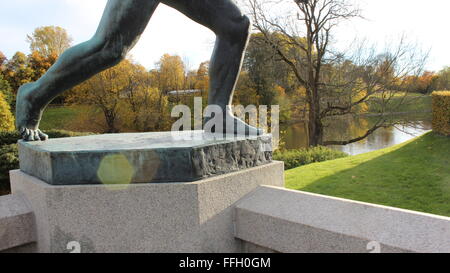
(315, 129)
(315, 126)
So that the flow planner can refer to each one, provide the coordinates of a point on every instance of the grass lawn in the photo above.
(414, 175)
(60, 117)
(411, 103)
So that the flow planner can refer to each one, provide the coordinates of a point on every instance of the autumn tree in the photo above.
(3, 60)
(266, 70)
(39, 63)
(126, 99)
(145, 107)
(49, 41)
(6, 90)
(104, 92)
(425, 83)
(245, 93)
(202, 77)
(17, 71)
(190, 81)
(171, 73)
(443, 81)
(335, 83)
(6, 117)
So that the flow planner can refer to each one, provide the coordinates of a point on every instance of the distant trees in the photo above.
(443, 81)
(201, 81)
(49, 41)
(171, 73)
(424, 83)
(6, 90)
(17, 71)
(46, 44)
(125, 97)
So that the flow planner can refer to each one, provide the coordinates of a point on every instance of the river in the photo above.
(294, 136)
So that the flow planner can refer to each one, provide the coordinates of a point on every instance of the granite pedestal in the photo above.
(134, 214)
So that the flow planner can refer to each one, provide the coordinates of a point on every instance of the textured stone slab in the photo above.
(141, 157)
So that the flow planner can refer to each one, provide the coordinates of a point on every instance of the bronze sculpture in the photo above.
(122, 24)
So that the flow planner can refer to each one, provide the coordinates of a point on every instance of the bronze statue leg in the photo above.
(121, 26)
(232, 29)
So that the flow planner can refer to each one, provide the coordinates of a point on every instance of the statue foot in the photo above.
(235, 126)
(28, 115)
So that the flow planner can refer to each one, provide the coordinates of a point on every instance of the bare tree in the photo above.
(336, 83)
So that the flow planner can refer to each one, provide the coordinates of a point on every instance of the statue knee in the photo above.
(240, 29)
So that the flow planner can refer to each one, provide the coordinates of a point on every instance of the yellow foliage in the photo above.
(280, 91)
(361, 107)
(123, 95)
(146, 110)
(172, 74)
(6, 117)
(441, 112)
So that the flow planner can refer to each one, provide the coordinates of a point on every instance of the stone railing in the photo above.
(17, 223)
(247, 211)
(274, 219)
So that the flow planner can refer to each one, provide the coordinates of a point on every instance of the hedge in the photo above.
(296, 158)
(441, 112)
(9, 156)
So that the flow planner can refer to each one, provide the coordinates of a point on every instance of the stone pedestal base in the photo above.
(163, 217)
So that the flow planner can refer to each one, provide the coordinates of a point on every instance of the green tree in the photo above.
(49, 40)
(6, 117)
(266, 70)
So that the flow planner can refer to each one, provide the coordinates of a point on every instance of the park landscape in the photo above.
(368, 123)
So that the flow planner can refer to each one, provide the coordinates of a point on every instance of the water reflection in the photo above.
(295, 136)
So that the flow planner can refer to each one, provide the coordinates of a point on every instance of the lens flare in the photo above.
(115, 170)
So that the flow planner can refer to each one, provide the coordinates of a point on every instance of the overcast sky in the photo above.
(426, 22)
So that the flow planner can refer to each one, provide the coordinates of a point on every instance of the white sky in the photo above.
(426, 22)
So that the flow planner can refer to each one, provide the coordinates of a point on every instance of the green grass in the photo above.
(414, 175)
(60, 117)
(411, 103)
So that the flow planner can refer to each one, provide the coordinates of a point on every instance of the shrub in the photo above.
(296, 158)
(9, 155)
(6, 117)
(9, 160)
(441, 112)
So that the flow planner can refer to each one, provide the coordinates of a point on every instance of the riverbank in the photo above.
(414, 175)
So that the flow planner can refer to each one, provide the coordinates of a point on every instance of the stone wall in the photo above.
(265, 219)
(279, 220)
(17, 223)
